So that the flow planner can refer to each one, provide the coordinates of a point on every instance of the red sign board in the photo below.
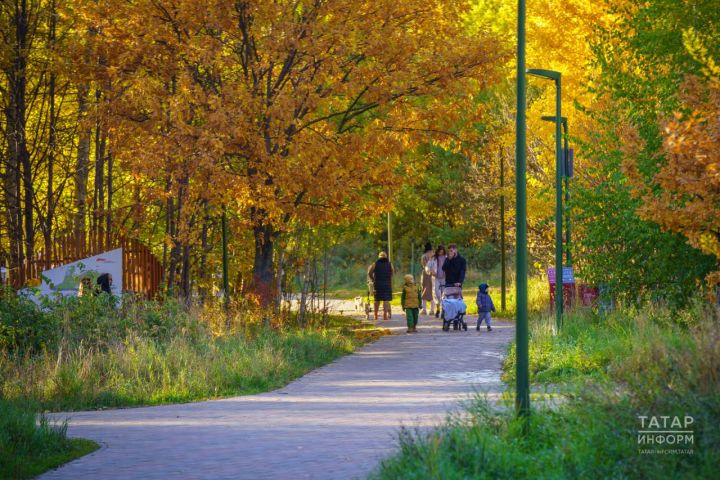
(588, 295)
(568, 295)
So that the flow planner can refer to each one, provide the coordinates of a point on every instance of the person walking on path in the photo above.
(427, 284)
(485, 305)
(438, 277)
(454, 267)
(380, 275)
(410, 302)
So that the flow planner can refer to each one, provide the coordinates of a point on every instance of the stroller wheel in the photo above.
(465, 326)
(446, 326)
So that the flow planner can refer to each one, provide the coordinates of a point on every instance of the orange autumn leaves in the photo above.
(686, 193)
(285, 111)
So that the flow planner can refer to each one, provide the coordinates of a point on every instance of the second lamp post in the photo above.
(567, 173)
(553, 75)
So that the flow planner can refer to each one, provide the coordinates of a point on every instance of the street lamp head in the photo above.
(551, 118)
(549, 74)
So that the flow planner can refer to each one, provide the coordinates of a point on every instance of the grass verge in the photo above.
(30, 445)
(90, 353)
(190, 361)
(606, 373)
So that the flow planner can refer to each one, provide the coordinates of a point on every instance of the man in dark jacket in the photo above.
(454, 267)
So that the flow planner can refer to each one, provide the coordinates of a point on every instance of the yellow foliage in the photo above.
(285, 112)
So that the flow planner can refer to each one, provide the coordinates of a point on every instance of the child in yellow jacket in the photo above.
(410, 301)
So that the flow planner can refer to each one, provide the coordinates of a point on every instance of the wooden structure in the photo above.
(142, 271)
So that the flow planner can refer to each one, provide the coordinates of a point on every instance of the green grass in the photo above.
(87, 353)
(141, 371)
(30, 446)
(605, 371)
(348, 293)
(138, 369)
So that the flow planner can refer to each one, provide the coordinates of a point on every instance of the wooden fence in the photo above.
(142, 271)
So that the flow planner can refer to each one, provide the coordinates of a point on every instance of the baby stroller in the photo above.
(453, 308)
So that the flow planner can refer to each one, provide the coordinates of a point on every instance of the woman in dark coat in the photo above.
(380, 275)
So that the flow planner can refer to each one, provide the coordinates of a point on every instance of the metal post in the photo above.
(522, 394)
(226, 288)
(556, 76)
(502, 231)
(566, 159)
(559, 292)
(412, 257)
(389, 235)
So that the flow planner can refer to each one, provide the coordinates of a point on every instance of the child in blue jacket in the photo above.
(485, 306)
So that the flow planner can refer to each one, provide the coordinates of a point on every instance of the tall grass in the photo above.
(29, 444)
(608, 370)
(91, 352)
(94, 354)
(137, 370)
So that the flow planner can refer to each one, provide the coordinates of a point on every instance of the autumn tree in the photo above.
(640, 56)
(684, 195)
(284, 111)
(688, 185)
(337, 85)
(37, 132)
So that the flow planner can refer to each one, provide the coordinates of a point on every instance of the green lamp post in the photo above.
(522, 392)
(553, 75)
(566, 178)
(502, 232)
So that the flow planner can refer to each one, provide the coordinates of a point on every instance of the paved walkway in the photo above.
(334, 423)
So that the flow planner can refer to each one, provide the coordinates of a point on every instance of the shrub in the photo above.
(23, 326)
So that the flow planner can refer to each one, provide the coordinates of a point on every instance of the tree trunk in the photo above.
(83, 162)
(302, 306)
(17, 172)
(204, 250)
(263, 264)
(279, 282)
(47, 224)
(169, 202)
(28, 213)
(185, 273)
(177, 250)
(99, 184)
(14, 209)
(108, 217)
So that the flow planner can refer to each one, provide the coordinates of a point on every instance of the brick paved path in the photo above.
(334, 423)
